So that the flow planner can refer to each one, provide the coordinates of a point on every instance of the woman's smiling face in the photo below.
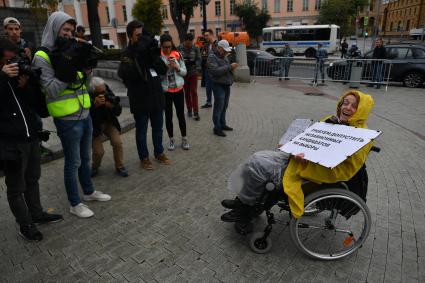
(348, 108)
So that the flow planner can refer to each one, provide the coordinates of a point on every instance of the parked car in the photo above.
(262, 63)
(407, 65)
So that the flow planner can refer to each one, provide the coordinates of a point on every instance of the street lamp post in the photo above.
(204, 4)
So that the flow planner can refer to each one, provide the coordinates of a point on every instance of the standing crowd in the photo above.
(159, 77)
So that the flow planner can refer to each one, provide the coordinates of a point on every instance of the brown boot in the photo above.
(146, 164)
(163, 159)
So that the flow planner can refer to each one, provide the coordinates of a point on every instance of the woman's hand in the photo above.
(174, 64)
(300, 158)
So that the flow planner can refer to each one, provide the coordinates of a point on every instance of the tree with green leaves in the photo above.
(181, 11)
(253, 18)
(341, 12)
(149, 12)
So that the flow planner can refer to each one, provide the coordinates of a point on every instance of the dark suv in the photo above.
(407, 64)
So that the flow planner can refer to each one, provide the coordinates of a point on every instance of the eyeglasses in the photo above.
(166, 46)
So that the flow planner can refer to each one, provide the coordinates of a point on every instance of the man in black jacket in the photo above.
(19, 146)
(379, 53)
(140, 70)
(104, 112)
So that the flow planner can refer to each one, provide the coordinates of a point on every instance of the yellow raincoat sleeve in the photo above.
(296, 172)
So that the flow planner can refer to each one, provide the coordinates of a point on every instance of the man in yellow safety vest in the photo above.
(69, 105)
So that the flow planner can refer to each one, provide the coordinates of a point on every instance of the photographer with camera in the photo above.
(104, 112)
(19, 145)
(193, 61)
(140, 69)
(63, 61)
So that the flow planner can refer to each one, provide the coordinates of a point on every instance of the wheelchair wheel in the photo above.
(338, 228)
(258, 244)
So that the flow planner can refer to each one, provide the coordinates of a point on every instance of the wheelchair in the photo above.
(336, 220)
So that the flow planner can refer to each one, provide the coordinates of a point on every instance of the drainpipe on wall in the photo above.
(225, 24)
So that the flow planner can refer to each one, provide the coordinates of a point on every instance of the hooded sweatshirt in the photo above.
(296, 172)
(50, 84)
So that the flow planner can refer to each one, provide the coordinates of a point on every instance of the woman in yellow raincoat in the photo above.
(353, 109)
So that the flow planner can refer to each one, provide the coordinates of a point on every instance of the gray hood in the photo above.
(51, 30)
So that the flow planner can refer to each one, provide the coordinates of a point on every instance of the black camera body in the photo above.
(109, 96)
(147, 49)
(44, 135)
(71, 56)
(24, 65)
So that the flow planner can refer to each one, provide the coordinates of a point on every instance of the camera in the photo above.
(44, 135)
(147, 49)
(24, 66)
(109, 96)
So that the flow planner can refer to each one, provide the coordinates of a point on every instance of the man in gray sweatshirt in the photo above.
(220, 72)
(69, 105)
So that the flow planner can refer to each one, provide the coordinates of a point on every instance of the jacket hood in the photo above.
(51, 30)
(364, 107)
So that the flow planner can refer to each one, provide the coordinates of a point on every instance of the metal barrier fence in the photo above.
(353, 71)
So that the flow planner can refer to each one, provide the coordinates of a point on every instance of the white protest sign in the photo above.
(329, 144)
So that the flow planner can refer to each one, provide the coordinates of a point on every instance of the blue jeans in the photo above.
(221, 101)
(320, 67)
(157, 121)
(377, 75)
(208, 87)
(76, 139)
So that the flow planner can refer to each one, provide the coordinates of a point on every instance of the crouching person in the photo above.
(19, 146)
(104, 112)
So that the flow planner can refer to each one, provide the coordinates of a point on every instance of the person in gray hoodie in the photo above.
(69, 105)
(220, 72)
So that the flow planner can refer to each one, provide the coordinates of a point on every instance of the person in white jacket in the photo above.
(172, 84)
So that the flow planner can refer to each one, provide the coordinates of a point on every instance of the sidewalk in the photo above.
(164, 225)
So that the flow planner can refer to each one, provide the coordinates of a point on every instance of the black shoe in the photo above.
(323, 81)
(237, 215)
(48, 218)
(189, 114)
(196, 116)
(286, 79)
(122, 172)
(226, 128)
(94, 172)
(219, 133)
(30, 233)
(232, 203)
(280, 79)
(206, 105)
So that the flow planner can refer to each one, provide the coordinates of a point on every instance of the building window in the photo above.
(264, 4)
(107, 15)
(232, 7)
(217, 31)
(305, 5)
(124, 12)
(290, 6)
(408, 25)
(277, 6)
(217, 8)
(192, 31)
(164, 12)
(317, 5)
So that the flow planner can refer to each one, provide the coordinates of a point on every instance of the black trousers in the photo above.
(21, 176)
(178, 99)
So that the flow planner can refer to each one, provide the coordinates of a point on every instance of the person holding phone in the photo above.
(172, 84)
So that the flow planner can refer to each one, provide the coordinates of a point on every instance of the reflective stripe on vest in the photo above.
(69, 100)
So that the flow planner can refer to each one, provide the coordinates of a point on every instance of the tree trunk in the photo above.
(94, 23)
(181, 24)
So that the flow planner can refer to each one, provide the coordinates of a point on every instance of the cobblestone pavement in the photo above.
(164, 225)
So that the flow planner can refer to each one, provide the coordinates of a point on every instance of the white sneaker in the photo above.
(81, 210)
(171, 145)
(185, 144)
(97, 195)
